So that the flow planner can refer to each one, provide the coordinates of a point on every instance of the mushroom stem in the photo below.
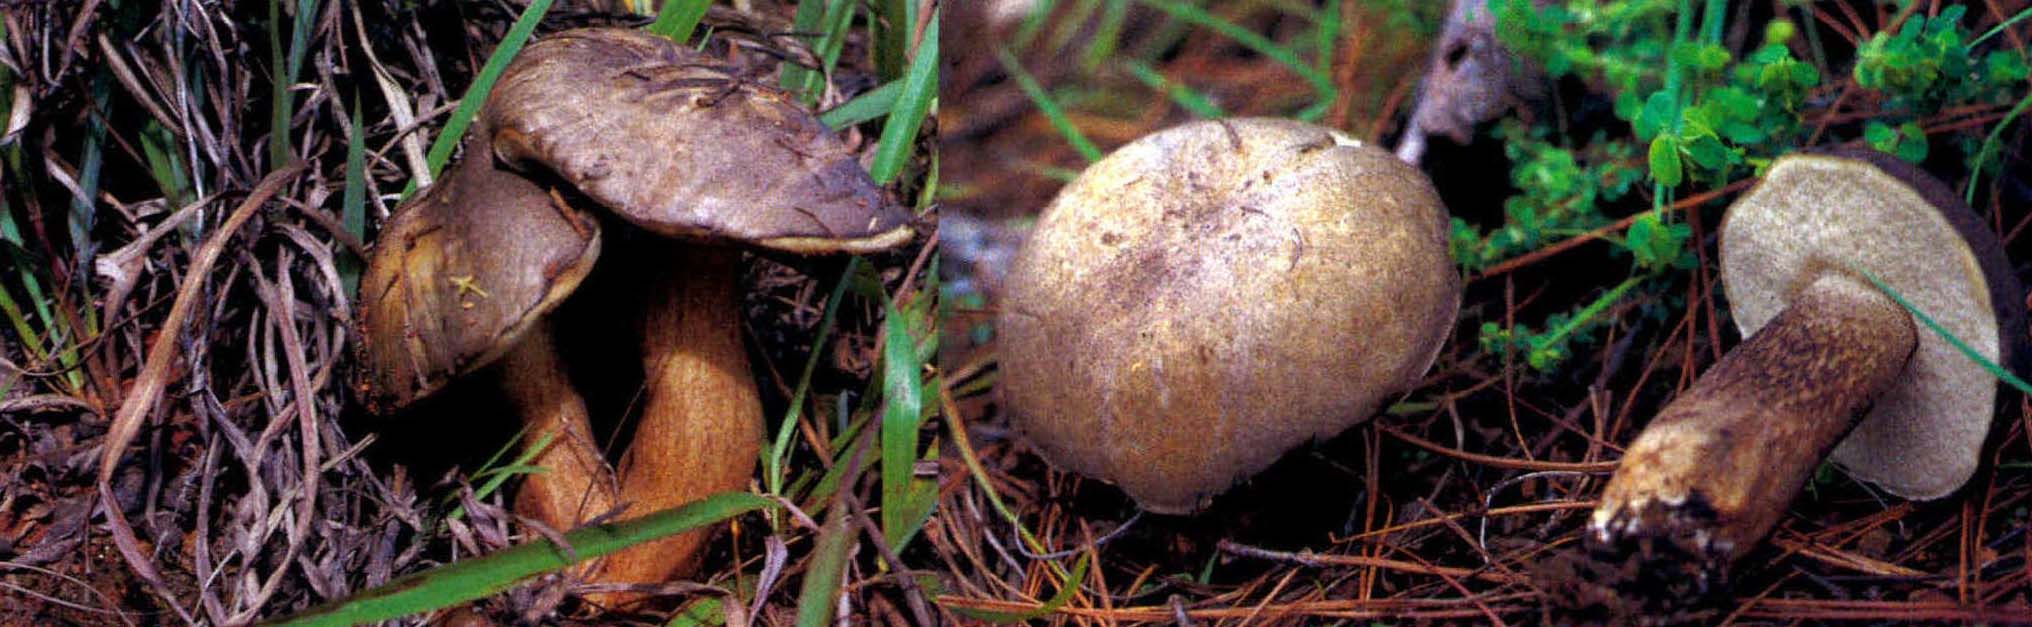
(575, 484)
(701, 425)
(1718, 466)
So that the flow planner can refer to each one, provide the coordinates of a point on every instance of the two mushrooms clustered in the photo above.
(1210, 296)
(588, 133)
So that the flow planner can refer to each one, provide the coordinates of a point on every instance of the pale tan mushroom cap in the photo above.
(1826, 212)
(676, 143)
(460, 273)
(1213, 295)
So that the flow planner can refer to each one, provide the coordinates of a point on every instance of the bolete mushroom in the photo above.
(687, 150)
(1210, 296)
(464, 276)
(1832, 368)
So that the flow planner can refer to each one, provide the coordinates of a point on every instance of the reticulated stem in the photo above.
(701, 425)
(575, 483)
(1717, 467)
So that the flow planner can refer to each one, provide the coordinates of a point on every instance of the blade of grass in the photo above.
(11, 233)
(893, 22)
(1325, 36)
(678, 18)
(1250, 39)
(1181, 94)
(779, 450)
(821, 591)
(899, 133)
(1048, 107)
(165, 166)
(91, 163)
(810, 16)
(483, 84)
(2001, 27)
(1058, 600)
(874, 104)
(1107, 38)
(1033, 23)
(1990, 144)
(832, 38)
(353, 205)
(491, 476)
(902, 416)
(453, 584)
(1998, 371)
(965, 446)
(285, 65)
(906, 501)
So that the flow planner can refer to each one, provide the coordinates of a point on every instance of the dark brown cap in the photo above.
(461, 271)
(683, 147)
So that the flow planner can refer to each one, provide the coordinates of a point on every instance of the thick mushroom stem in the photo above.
(1718, 466)
(575, 484)
(701, 425)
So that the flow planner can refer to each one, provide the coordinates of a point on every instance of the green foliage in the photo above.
(1706, 119)
(1926, 66)
(1560, 191)
(1906, 141)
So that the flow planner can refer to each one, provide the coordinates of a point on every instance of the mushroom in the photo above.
(464, 276)
(1833, 369)
(707, 163)
(1213, 295)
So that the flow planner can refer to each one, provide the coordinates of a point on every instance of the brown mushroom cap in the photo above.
(460, 273)
(1820, 213)
(1213, 295)
(669, 140)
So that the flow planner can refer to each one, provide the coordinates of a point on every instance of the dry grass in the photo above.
(182, 267)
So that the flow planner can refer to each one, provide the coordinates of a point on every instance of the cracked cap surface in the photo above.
(683, 147)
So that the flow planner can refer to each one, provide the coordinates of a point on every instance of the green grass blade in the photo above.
(1040, 12)
(678, 18)
(353, 204)
(874, 104)
(779, 450)
(828, 565)
(1250, 39)
(1998, 371)
(1107, 38)
(1990, 144)
(1064, 595)
(899, 133)
(902, 416)
(832, 30)
(453, 584)
(1048, 107)
(810, 15)
(491, 474)
(483, 84)
(893, 23)
(1181, 94)
(2001, 27)
(91, 164)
